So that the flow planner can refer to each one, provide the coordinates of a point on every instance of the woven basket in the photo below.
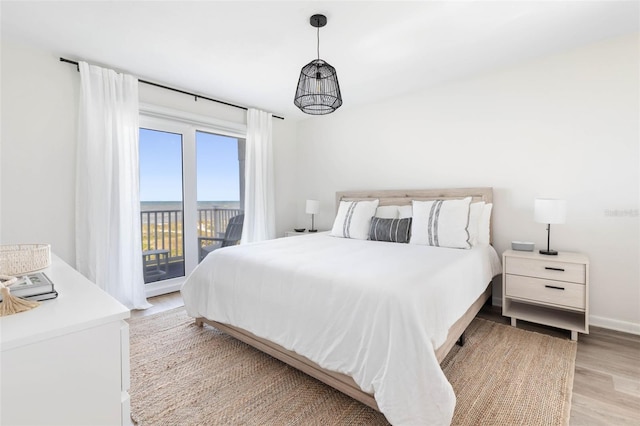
(18, 259)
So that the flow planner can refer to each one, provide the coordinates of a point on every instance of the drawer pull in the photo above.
(554, 269)
(553, 286)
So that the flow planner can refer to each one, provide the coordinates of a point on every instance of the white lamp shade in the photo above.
(550, 211)
(313, 207)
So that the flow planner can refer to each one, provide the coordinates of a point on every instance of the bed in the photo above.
(371, 319)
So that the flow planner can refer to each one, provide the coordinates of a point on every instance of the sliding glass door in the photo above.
(191, 185)
(161, 205)
(219, 182)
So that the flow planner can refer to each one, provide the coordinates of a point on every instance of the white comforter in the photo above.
(372, 310)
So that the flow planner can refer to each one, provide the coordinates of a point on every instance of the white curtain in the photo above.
(259, 209)
(108, 249)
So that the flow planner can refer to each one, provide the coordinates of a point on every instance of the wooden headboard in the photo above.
(401, 197)
(405, 196)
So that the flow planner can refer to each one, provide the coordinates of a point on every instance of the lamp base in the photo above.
(549, 252)
(313, 230)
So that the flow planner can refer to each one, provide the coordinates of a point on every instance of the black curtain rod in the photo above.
(196, 96)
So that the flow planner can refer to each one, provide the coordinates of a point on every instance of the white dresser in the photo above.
(66, 362)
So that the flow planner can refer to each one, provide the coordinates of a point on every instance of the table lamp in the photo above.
(313, 207)
(549, 211)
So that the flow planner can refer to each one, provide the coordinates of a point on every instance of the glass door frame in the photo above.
(186, 124)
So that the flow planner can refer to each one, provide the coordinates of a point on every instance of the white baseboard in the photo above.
(614, 324)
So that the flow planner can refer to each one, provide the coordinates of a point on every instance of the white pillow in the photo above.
(475, 212)
(394, 212)
(405, 211)
(353, 219)
(387, 212)
(484, 225)
(441, 223)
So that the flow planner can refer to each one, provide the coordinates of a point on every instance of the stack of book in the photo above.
(36, 286)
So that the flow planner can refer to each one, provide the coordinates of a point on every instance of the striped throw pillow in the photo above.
(353, 219)
(391, 230)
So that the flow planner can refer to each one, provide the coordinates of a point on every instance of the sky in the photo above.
(161, 167)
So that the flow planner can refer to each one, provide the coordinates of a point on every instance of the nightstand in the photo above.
(295, 233)
(550, 290)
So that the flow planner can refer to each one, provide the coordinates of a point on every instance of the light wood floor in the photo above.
(606, 386)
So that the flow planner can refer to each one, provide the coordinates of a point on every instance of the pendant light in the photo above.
(318, 91)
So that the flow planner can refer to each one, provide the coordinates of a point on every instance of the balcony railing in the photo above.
(162, 230)
(213, 222)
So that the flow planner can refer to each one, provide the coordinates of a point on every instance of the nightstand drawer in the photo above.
(553, 270)
(546, 291)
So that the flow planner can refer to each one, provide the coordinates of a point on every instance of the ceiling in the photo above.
(250, 53)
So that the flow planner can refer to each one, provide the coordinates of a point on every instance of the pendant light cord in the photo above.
(318, 42)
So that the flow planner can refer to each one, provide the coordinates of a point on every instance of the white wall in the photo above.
(39, 102)
(563, 126)
(39, 98)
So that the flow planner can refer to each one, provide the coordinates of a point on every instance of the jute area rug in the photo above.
(182, 374)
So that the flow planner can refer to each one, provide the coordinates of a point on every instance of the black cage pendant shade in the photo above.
(318, 90)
